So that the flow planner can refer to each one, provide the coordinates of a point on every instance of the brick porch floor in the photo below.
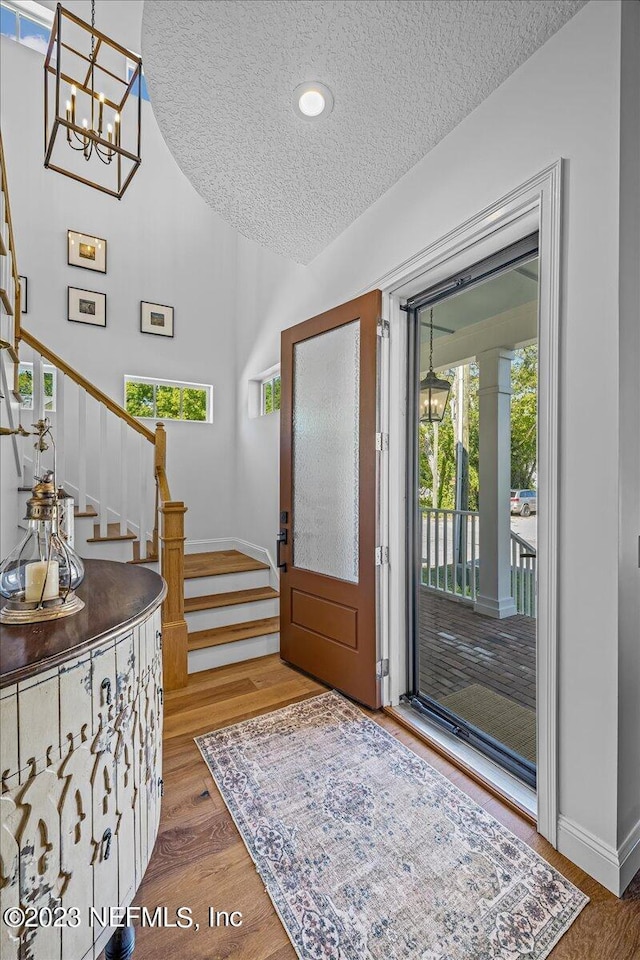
(459, 647)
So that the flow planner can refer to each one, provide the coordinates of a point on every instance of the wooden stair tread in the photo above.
(237, 631)
(219, 562)
(229, 599)
(88, 511)
(113, 533)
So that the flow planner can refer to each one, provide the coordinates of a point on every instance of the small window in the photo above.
(270, 395)
(27, 22)
(144, 93)
(25, 386)
(168, 399)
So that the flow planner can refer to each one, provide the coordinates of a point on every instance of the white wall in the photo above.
(164, 245)
(563, 102)
(629, 400)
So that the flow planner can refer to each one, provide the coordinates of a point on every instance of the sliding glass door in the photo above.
(473, 496)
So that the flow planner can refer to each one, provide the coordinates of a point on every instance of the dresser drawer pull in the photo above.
(106, 685)
(161, 695)
(106, 839)
(161, 786)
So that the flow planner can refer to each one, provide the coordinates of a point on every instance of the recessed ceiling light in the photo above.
(312, 100)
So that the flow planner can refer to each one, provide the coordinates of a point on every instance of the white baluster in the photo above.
(82, 451)
(38, 388)
(123, 477)
(103, 468)
(437, 521)
(142, 444)
(60, 427)
(473, 558)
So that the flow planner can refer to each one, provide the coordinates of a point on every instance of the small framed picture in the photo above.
(86, 251)
(24, 295)
(87, 306)
(156, 318)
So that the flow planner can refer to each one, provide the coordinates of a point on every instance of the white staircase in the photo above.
(221, 605)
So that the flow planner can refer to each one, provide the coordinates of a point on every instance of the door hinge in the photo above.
(382, 441)
(382, 556)
(383, 327)
(382, 668)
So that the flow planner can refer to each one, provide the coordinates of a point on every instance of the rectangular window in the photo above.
(27, 22)
(270, 395)
(25, 386)
(168, 399)
(144, 93)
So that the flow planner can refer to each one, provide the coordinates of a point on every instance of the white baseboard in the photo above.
(629, 857)
(613, 868)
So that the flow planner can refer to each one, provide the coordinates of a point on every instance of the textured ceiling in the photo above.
(403, 74)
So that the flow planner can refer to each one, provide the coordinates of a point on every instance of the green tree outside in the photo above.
(437, 441)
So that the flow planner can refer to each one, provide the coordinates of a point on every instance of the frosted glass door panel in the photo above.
(326, 434)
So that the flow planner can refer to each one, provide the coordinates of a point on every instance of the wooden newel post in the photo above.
(161, 448)
(174, 625)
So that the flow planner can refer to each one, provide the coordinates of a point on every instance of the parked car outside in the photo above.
(524, 502)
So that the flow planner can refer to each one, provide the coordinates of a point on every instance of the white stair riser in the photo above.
(225, 616)
(121, 550)
(225, 583)
(240, 650)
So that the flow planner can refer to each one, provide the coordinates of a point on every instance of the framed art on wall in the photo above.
(86, 251)
(24, 295)
(87, 306)
(156, 318)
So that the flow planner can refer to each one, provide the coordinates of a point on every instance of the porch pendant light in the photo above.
(434, 392)
(92, 121)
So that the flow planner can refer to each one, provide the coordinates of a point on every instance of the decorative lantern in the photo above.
(39, 578)
(434, 392)
(91, 119)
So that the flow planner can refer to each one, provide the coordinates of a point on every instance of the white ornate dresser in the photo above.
(81, 766)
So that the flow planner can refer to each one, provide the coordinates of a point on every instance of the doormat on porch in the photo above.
(502, 718)
(368, 853)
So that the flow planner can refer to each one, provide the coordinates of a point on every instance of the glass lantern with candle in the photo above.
(39, 578)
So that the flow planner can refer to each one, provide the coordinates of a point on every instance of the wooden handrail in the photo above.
(17, 301)
(94, 392)
(163, 486)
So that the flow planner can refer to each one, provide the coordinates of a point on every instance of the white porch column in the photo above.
(494, 594)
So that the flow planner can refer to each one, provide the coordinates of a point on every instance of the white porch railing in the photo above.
(450, 552)
(523, 575)
(450, 558)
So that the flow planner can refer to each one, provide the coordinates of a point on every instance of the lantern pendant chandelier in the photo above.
(434, 392)
(87, 93)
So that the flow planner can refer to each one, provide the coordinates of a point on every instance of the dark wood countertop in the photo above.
(116, 595)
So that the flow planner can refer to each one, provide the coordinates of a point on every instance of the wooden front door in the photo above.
(328, 497)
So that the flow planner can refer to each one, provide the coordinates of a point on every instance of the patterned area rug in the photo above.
(368, 853)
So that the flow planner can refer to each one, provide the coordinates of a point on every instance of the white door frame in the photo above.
(533, 205)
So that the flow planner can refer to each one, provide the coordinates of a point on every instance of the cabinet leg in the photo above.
(121, 945)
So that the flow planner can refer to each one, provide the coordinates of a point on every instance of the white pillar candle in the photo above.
(38, 574)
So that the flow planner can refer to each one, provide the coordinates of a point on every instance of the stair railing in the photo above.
(120, 457)
(10, 294)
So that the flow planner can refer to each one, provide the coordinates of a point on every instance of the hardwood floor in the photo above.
(200, 861)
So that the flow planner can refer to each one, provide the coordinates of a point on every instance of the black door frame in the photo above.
(519, 252)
